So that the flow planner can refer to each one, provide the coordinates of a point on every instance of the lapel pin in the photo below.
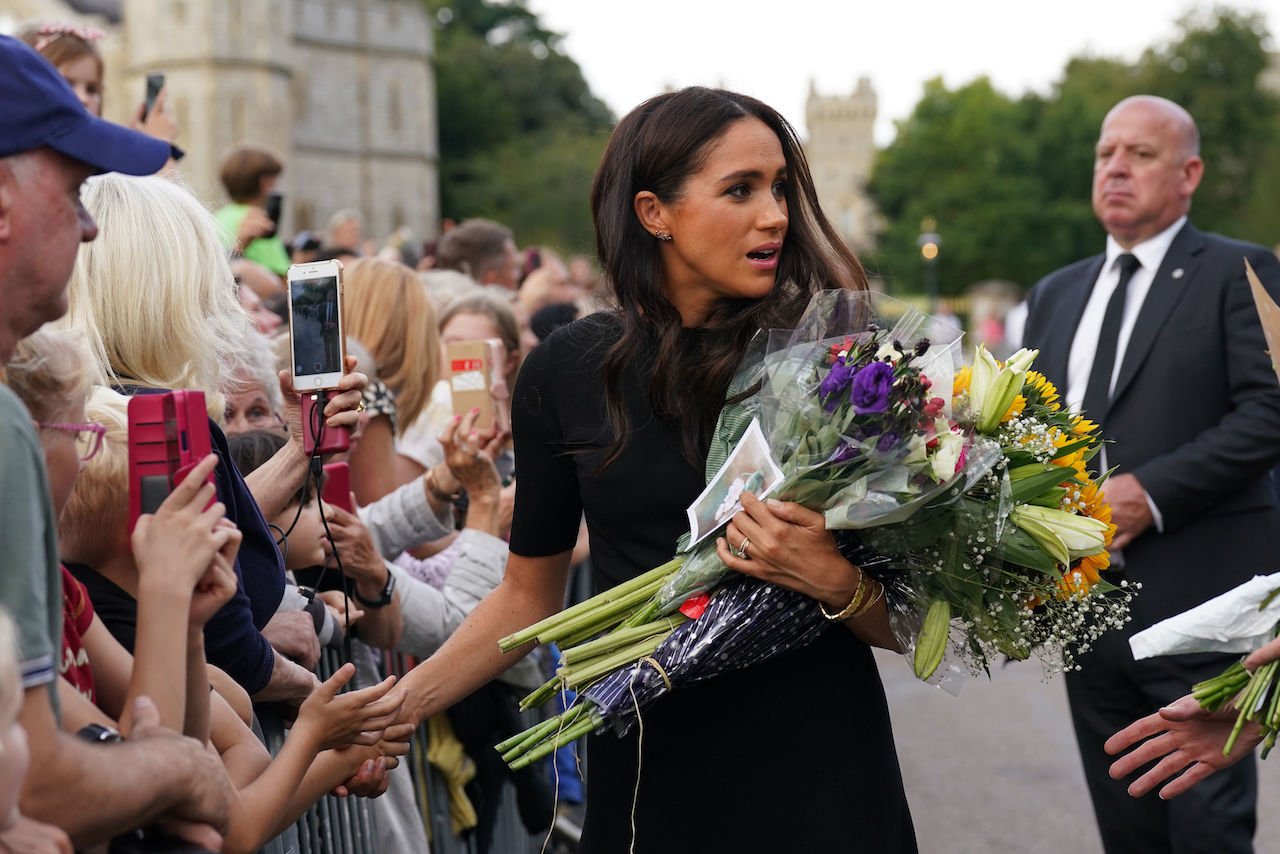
(1177, 274)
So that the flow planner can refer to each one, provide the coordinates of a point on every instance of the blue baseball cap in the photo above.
(39, 110)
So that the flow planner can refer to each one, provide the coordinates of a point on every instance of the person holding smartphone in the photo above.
(250, 224)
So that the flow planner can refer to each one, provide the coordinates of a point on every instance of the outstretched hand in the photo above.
(333, 720)
(1185, 739)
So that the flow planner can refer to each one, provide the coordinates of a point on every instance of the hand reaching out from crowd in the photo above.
(329, 719)
(1180, 737)
(371, 779)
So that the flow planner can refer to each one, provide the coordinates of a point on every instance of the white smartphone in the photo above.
(317, 340)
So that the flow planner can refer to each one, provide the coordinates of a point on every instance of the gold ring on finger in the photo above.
(742, 549)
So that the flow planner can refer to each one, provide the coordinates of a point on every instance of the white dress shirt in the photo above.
(1150, 253)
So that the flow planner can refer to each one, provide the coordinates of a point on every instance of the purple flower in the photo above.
(835, 382)
(888, 442)
(870, 391)
(844, 453)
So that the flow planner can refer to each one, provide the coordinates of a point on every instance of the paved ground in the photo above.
(995, 769)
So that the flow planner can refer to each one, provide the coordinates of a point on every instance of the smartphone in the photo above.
(168, 436)
(476, 379)
(155, 82)
(275, 201)
(317, 343)
(337, 486)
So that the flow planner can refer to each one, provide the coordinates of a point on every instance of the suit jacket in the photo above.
(1195, 415)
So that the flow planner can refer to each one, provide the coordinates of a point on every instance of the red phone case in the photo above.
(331, 440)
(168, 436)
(337, 486)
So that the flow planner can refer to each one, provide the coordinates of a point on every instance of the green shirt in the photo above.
(30, 581)
(270, 252)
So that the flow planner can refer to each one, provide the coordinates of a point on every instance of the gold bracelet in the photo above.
(429, 480)
(872, 602)
(851, 607)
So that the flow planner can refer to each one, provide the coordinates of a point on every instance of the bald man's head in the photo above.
(1146, 168)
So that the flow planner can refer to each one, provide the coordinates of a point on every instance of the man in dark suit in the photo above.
(1158, 340)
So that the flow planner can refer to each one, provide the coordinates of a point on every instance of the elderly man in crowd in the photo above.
(48, 146)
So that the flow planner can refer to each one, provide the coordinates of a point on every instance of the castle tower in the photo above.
(343, 90)
(840, 149)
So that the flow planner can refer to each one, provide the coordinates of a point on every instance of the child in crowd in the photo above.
(164, 555)
(70, 49)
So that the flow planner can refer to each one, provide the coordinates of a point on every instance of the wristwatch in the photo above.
(384, 598)
(99, 734)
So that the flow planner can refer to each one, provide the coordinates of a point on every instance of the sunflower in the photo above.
(1082, 427)
(1075, 459)
(1015, 409)
(1044, 391)
(960, 385)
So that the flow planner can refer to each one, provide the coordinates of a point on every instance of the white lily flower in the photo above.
(992, 388)
(1065, 536)
(946, 457)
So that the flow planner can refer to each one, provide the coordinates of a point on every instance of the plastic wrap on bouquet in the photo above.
(746, 622)
(841, 401)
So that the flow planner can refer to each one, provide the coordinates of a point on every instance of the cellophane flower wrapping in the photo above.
(841, 401)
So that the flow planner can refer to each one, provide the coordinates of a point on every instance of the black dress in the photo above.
(793, 755)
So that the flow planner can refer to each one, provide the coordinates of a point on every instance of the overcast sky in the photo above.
(772, 49)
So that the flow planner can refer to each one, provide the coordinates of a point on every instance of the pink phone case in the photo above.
(168, 436)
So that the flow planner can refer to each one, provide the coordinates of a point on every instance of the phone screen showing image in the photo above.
(317, 336)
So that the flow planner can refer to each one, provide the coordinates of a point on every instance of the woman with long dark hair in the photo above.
(708, 229)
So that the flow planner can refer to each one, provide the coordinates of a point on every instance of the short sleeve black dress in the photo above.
(792, 755)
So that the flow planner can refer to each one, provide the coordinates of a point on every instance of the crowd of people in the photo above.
(143, 649)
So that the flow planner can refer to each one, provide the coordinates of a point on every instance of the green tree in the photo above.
(1009, 180)
(1213, 69)
(520, 130)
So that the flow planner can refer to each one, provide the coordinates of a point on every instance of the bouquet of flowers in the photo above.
(973, 506)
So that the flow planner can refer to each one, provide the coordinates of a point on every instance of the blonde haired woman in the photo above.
(154, 296)
(389, 311)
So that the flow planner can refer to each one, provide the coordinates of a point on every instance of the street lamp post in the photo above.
(930, 244)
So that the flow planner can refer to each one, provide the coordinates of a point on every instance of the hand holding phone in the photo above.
(155, 83)
(476, 381)
(274, 209)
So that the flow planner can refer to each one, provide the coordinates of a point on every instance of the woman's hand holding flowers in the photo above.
(790, 546)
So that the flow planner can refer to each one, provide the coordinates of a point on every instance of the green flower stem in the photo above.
(591, 606)
(542, 693)
(581, 727)
(597, 620)
(620, 638)
(590, 632)
(522, 742)
(598, 667)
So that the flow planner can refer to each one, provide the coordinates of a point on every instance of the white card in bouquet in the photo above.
(1231, 622)
(750, 468)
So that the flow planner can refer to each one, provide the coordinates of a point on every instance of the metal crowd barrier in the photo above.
(346, 825)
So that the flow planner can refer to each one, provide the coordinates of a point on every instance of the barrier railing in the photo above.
(347, 825)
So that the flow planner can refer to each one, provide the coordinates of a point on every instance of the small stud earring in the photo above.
(662, 235)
